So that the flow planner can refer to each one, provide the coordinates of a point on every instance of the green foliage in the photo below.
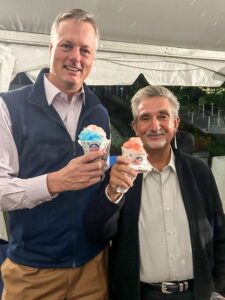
(217, 146)
(118, 105)
(214, 95)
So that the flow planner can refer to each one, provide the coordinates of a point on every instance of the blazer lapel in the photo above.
(195, 215)
(134, 198)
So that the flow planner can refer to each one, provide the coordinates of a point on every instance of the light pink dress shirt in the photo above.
(17, 193)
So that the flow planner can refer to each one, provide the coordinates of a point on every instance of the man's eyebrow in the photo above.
(163, 111)
(144, 114)
(62, 41)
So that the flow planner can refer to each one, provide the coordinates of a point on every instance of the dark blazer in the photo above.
(185, 141)
(106, 220)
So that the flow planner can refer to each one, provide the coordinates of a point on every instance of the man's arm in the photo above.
(102, 215)
(17, 193)
(79, 173)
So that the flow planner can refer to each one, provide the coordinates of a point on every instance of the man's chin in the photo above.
(73, 84)
(156, 145)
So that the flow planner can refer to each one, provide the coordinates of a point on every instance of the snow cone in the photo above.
(134, 151)
(93, 138)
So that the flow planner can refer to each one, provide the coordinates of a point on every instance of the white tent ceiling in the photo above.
(172, 42)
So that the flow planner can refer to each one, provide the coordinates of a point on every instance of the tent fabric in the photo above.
(123, 69)
(111, 68)
(173, 42)
(7, 63)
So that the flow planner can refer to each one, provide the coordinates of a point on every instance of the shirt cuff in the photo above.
(117, 201)
(37, 190)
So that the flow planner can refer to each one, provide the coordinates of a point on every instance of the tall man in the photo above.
(46, 182)
(168, 230)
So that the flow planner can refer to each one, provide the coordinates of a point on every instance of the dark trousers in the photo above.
(147, 294)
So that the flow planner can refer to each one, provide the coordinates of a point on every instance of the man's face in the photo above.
(72, 54)
(155, 123)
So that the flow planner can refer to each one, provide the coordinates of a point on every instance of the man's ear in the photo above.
(176, 124)
(134, 126)
(50, 49)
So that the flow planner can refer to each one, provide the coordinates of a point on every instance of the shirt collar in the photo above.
(172, 161)
(171, 164)
(51, 91)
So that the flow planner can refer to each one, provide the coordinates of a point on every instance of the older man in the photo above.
(168, 230)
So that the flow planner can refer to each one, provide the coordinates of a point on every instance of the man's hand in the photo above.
(79, 173)
(121, 175)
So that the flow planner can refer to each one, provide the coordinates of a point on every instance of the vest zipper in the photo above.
(74, 148)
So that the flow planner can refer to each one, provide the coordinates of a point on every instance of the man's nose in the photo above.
(154, 123)
(75, 54)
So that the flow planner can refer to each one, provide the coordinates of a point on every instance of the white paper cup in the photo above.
(138, 160)
(94, 145)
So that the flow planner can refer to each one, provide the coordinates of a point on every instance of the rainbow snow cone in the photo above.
(134, 151)
(93, 138)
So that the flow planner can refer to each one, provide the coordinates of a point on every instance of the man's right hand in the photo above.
(79, 173)
(121, 175)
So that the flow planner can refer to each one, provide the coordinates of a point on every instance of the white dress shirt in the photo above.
(17, 193)
(165, 246)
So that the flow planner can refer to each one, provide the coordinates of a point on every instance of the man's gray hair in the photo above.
(77, 14)
(154, 91)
